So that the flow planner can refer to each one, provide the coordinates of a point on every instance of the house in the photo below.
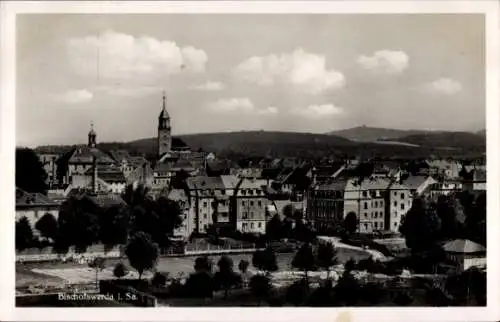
(209, 203)
(445, 187)
(418, 184)
(188, 222)
(34, 206)
(465, 253)
(249, 204)
(450, 169)
(325, 205)
(399, 199)
(366, 200)
(49, 162)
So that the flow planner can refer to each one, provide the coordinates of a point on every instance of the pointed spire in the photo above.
(164, 103)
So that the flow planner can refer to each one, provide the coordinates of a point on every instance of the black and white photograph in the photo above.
(265, 160)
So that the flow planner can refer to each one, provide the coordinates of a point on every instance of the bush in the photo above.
(120, 270)
(297, 293)
(260, 285)
(159, 279)
(199, 285)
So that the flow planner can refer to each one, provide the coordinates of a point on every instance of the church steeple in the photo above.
(92, 136)
(164, 140)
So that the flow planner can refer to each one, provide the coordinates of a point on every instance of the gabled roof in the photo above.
(24, 198)
(414, 182)
(463, 246)
(177, 194)
(335, 185)
(205, 183)
(85, 154)
(230, 181)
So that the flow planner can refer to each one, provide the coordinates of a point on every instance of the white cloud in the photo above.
(210, 86)
(305, 70)
(232, 105)
(74, 96)
(129, 91)
(240, 105)
(118, 55)
(446, 86)
(318, 111)
(385, 61)
(270, 110)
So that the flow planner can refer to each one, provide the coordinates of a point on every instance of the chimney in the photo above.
(94, 174)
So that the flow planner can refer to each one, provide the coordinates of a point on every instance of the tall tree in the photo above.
(225, 277)
(274, 228)
(120, 270)
(420, 227)
(24, 234)
(47, 226)
(142, 253)
(98, 264)
(243, 267)
(30, 174)
(326, 256)
(260, 286)
(203, 264)
(304, 260)
(351, 222)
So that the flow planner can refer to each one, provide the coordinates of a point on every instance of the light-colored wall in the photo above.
(397, 198)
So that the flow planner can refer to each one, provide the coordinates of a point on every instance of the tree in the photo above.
(265, 260)
(120, 270)
(288, 211)
(403, 298)
(159, 279)
(304, 260)
(243, 267)
(420, 227)
(142, 253)
(347, 287)
(114, 225)
(447, 213)
(98, 264)
(24, 234)
(169, 218)
(30, 174)
(274, 228)
(47, 226)
(225, 277)
(326, 256)
(260, 286)
(351, 222)
(297, 292)
(203, 264)
(303, 232)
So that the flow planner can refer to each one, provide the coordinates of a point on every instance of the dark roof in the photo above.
(413, 182)
(85, 154)
(112, 177)
(463, 246)
(24, 198)
(337, 185)
(105, 199)
(204, 182)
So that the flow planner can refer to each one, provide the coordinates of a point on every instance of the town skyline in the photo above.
(110, 72)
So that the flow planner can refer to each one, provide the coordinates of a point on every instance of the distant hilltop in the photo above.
(309, 145)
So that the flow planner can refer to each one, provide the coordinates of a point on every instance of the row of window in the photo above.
(252, 225)
(259, 203)
(251, 191)
(375, 204)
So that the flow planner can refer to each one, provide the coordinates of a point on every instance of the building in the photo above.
(188, 223)
(366, 200)
(399, 199)
(445, 187)
(49, 161)
(79, 160)
(325, 206)
(465, 253)
(249, 205)
(418, 184)
(34, 206)
(164, 138)
(449, 169)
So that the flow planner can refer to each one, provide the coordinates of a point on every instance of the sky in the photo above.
(304, 73)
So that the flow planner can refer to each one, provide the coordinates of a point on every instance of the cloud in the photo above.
(210, 86)
(445, 86)
(117, 55)
(318, 111)
(74, 96)
(232, 105)
(270, 110)
(129, 91)
(305, 70)
(240, 105)
(385, 61)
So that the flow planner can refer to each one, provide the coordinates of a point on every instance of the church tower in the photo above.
(92, 137)
(164, 143)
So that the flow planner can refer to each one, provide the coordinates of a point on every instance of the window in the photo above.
(376, 225)
(395, 193)
(251, 214)
(376, 204)
(205, 204)
(381, 203)
(204, 216)
(395, 203)
(402, 206)
(366, 215)
(205, 227)
(245, 215)
(223, 191)
(366, 205)
(243, 202)
(365, 194)
(259, 203)
(402, 195)
(259, 225)
(366, 226)
(251, 203)
(251, 225)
